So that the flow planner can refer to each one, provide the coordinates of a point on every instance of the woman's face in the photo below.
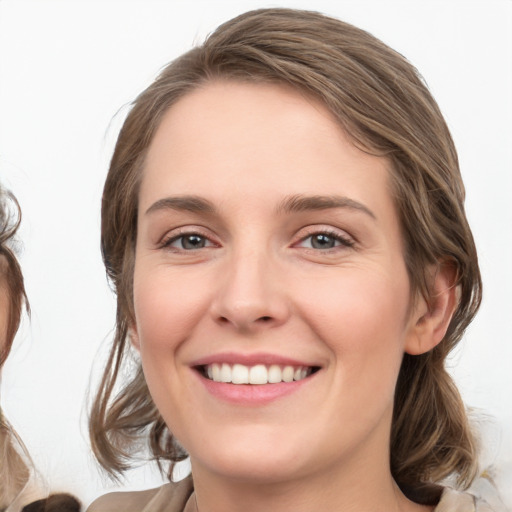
(269, 250)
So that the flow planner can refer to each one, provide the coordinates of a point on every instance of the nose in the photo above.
(250, 295)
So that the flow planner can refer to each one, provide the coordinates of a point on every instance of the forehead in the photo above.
(269, 135)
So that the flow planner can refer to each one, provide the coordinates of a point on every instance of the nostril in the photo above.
(245, 322)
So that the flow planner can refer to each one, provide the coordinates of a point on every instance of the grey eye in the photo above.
(192, 242)
(322, 241)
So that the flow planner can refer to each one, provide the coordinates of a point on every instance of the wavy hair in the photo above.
(10, 270)
(382, 102)
(14, 458)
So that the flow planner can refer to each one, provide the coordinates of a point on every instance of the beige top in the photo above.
(179, 497)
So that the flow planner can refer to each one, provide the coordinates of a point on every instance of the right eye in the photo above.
(188, 242)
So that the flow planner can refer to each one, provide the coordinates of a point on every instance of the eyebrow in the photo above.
(194, 204)
(301, 203)
(295, 203)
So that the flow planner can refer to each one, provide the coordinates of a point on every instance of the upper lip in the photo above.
(250, 359)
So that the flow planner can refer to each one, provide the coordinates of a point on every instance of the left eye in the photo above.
(188, 242)
(324, 241)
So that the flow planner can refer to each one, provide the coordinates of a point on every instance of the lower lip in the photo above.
(252, 394)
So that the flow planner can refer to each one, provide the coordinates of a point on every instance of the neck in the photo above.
(354, 490)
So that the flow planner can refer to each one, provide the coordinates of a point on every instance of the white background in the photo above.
(67, 67)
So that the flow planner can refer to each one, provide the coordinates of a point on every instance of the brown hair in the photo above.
(10, 270)
(381, 101)
(61, 502)
(14, 472)
(15, 461)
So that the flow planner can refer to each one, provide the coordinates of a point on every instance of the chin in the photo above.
(261, 469)
(253, 460)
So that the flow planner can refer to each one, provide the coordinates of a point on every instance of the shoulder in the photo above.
(123, 501)
(170, 497)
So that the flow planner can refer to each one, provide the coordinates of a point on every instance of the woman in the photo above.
(19, 483)
(15, 462)
(284, 226)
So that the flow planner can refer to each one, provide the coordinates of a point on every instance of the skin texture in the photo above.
(257, 284)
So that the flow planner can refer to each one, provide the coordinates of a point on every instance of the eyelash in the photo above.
(344, 241)
(169, 240)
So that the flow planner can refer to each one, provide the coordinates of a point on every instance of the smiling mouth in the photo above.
(258, 374)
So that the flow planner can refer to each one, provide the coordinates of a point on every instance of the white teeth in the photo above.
(258, 374)
(275, 374)
(240, 374)
(215, 372)
(288, 372)
(225, 373)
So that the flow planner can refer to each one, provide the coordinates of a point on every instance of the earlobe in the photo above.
(432, 317)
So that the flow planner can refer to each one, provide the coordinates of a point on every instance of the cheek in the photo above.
(360, 301)
(167, 308)
(167, 311)
(362, 317)
(366, 333)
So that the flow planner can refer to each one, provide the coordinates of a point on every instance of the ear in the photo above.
(133, 336)
(431, 318)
